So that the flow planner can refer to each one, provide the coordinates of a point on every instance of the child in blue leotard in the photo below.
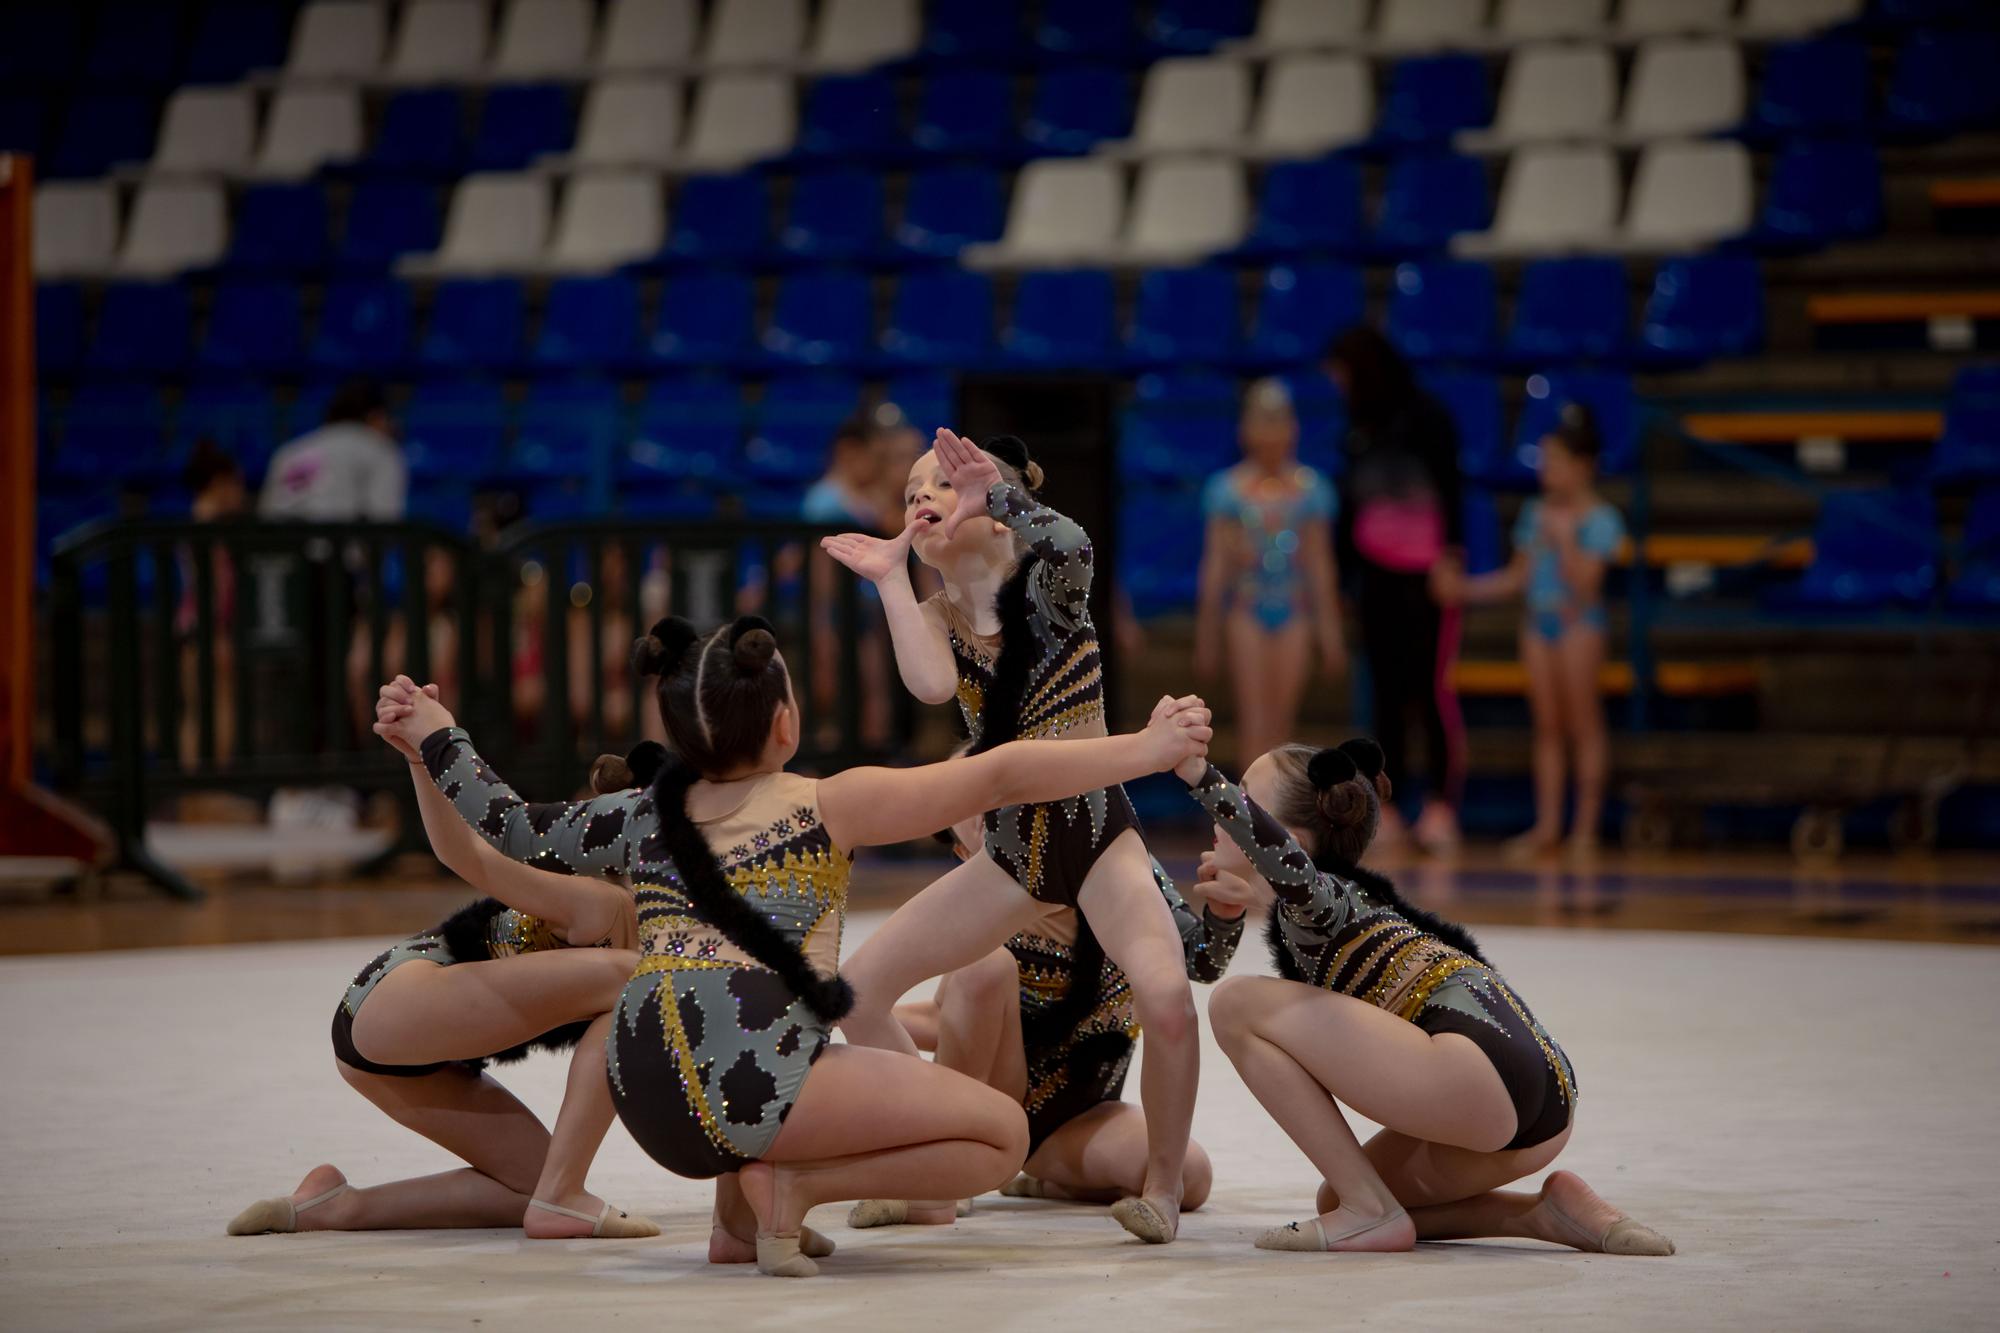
(1267, 573)
(1563, 542)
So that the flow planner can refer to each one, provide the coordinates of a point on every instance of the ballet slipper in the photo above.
(1025, 1186)
(782, 1256)
(278, 1215)
(1628, 1237)
(603, 1226)
(893, 1213)
(1311, 1237)
(1144, 1219)
(811, 1244)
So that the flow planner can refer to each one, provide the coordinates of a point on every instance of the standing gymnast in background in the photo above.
(1396, 1013)
(1010, 637)
(1268, 580)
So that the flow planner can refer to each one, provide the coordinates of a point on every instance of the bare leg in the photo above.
(1124, 908)
(1545, 707)
(1247, 668)
(585, 1118)
(1100, 1157)
(919, 1018)
(1577, 659)
(422, 1013)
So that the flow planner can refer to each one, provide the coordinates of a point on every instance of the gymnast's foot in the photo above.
(1345, 1232)
(320, 1203)
(1572, 1213)
(1155, 1219)
(583, 1216)
(781, 1233)
(905, 1212)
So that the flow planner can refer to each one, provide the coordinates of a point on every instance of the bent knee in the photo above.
(1165, 1007)
(992, 980)
(1229, 1008)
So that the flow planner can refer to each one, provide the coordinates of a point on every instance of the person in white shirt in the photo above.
(350, 468)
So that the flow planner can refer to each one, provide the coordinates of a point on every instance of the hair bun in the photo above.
(1013, 451)
(1366, 755)
(645, 760)
(1329, 768)
(753, 643)
(664, 648)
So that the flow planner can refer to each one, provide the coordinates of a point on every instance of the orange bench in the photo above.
(1979, 193)
(1791, 427)
(1680, 680)
(1902, 307)
(1696, 549)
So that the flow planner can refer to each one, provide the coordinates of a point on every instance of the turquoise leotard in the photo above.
(1551, 606)
(1271, 587)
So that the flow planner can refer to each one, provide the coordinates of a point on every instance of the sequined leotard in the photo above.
(1331, 931)
(1047, 849)
(1077, 1053)
(708, 1048)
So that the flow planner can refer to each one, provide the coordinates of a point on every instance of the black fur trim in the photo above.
(722, 907)
(1380, 888)
(468, 938)
(1365, 753)
(1281, 957)
(1000, 715)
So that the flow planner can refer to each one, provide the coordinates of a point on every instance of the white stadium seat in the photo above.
(1665, 18)
(609, 218)
(544, 37)
(497, 221)
(309, 127)
(1428, 25)
(755, 32)
(854, 34)
(338, 39)
(1552, 91)
(440, 41)
(647, 34)
(1684, 86)
(1185, 208)
(76, 227)
(1540, 20)
(1797, 18)
(207, 130)
(1313, 104)
(1553, 200)
(1306, 25)
(1064, 210)
(632, 121)
(175, 225)
(1689, 195)
(1192, 102)
(741, 117)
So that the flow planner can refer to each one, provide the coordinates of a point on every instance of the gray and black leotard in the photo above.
(1334, 932)
(1056, 687)
(1078, 1048)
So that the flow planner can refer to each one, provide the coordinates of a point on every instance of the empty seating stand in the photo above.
(1947, 321)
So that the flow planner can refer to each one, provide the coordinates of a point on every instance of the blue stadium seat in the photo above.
(237, 414)
(253, 326)
(1310, 205)
(1431, 98)
(476, 323)
(1196, 26)
(520, 123)
(1180, 428)
(23, 123)
(280, 229)
(364, 327)
(1969, 449)
(1103, 29)
(56, 515)
(1977, 587)
(1444, 310)
(1074, 110)
(306, 409)
(705, 317)
(234, 38)
(1608, 395)
(1063, 318)
(721, 219)
(136, 42)
(102, 131)
(1703, 306)
(1813, 87)
(1911, 13)
(822, 319)
(1484, 551)
(58, 327)
(40, 44)
(1570, 310)
(1322, 415)
(589, 322)
(1871, 549)
(969, 113)
(1943, 83)
(113, 432)
(422, 132)
(1300, 307)
(941, 317)
(1159, 565)
(972, 30)
(835, 214)
(1473, 400)
(927, 399)
(1429, 198)
(142, 328)
(1822, 192)
(568, 428)
(849, 116)
(795, 424)
(946, 209)
(441, 506)
(454, 429)
(690, 430)
(387, 219)
(1185, 315)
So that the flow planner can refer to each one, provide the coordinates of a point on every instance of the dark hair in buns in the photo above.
(636, 768)
(1011, 453)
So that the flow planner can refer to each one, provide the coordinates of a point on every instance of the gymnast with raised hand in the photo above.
(1010, 637)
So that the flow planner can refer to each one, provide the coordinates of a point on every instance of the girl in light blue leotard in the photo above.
(1267, 572)
(1563, 542)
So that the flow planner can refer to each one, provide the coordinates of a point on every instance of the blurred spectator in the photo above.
(1563, 543)
(1400, 514)
(215, 481)
(1267, 574)
(849, 494)
(348, 469)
